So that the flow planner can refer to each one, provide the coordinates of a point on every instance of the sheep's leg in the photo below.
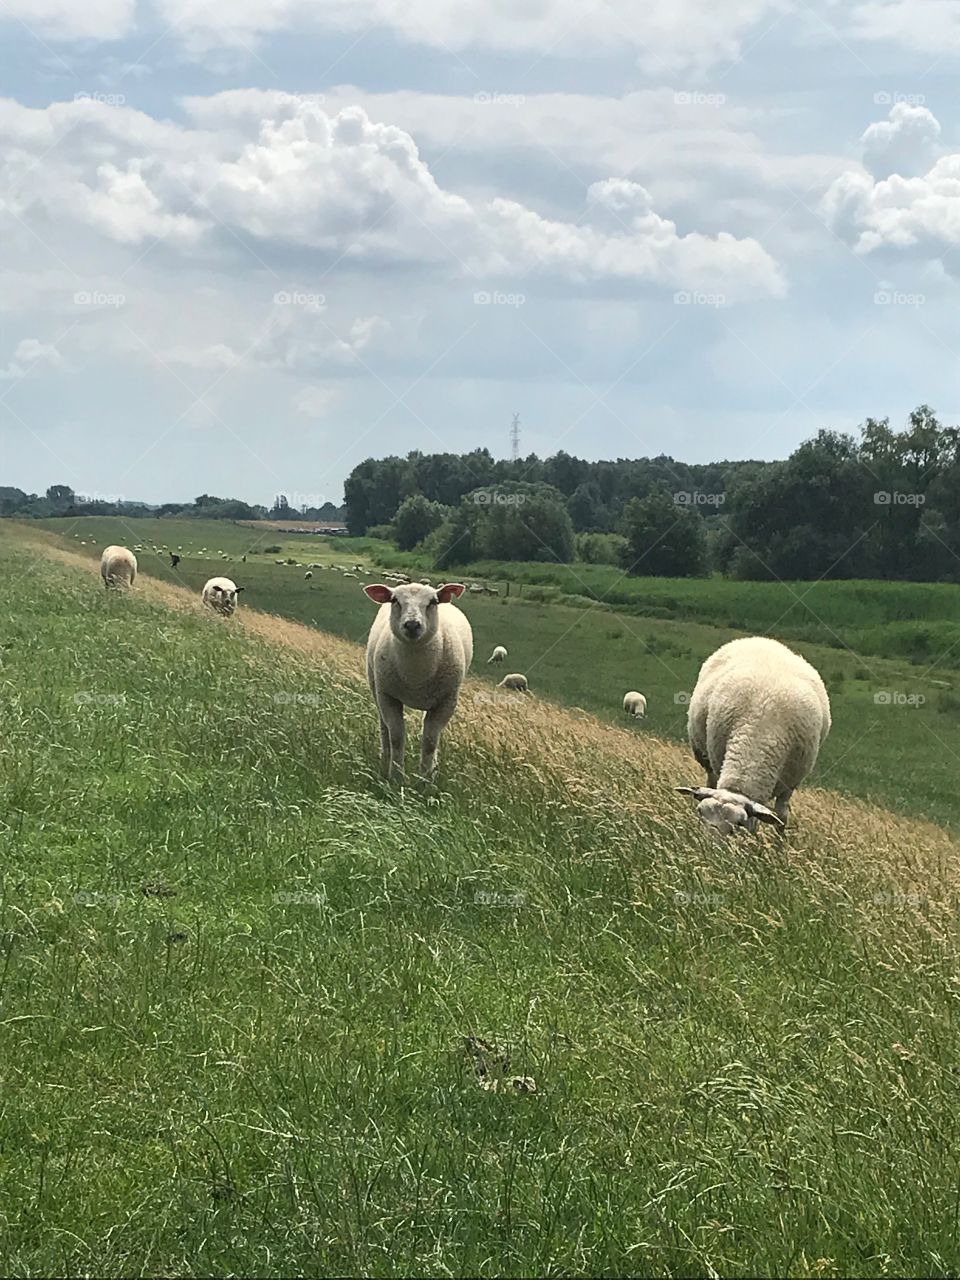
(391, 737)
(434, 723)
(781, 805)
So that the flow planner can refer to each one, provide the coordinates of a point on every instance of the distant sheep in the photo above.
(349, 575)
(635, 704)
(498, 655)
(118, 567)
(308, 574)
(221, 594)
(757, 719)
(515, 681)
(418, 652)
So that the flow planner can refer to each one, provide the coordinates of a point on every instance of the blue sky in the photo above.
(245, 245)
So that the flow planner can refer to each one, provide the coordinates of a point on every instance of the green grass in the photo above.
(237, 970)
(904, 753)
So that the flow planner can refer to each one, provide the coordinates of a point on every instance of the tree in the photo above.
(664, 539)
(281, 509)
(61, 495)
(416, 517)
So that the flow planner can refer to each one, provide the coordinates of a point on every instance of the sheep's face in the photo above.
(414, 609)
(225, 598)
(728, 812)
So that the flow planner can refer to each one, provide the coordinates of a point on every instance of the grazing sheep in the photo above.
(757, 719)
(308, 574)
(425, 582)
(635, 704)
(221, 594)
(491, 591)
(498, 655)
(118, 567)
(349, 575)
(418, 652)
(515, 681)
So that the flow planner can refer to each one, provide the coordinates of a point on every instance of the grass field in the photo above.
(238, 972)
(902, 751)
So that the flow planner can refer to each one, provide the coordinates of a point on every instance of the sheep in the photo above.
(757, 719)
(221, 594)
(118, 567)
(418, 652)
(349, 575)
(515, 681)
(498, 655)
(635, 704)
(308, 574)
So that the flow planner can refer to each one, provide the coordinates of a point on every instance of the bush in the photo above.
(600, 548)
(381, 531)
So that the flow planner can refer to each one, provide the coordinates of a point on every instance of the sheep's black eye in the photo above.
(432, 603)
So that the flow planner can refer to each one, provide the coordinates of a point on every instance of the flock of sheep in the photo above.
(757, 717)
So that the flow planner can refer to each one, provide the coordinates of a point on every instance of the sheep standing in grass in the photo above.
(118, 567)
(757, 719)
(498, 655)
(221, 594)
(635, 704)
(515, 681)
(418, 652)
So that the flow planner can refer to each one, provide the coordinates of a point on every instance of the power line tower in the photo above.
(515, 438)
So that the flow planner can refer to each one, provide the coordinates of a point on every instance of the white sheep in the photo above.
(418, 652)
(635, 704)
(757, 719)
(221, 594)
(498, 655)
(118, 567)
(515, 681)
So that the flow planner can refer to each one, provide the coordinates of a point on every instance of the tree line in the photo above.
(882, 504)
(61, 500)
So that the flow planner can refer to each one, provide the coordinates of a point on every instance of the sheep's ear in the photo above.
(378, 593)
(698, 793)
(762, 813)
(239, 589)
(448, 590)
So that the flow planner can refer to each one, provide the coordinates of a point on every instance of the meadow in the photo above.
(896, 735)
(241, 975)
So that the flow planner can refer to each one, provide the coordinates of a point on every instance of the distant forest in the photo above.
(61, 500)
(885, 504)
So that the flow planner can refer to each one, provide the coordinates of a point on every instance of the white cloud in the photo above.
(350, 188)
(315, 401)
(928, 26)
(906, 143)
(71, 20)
(31, 353)
(661, 34)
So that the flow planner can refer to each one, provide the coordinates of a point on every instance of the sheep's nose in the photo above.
(413, 627)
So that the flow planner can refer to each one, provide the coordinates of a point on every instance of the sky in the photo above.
(245, 244)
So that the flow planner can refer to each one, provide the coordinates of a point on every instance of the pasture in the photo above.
(896, 735)
(240, 974)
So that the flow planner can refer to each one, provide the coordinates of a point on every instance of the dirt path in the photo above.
(601, 766)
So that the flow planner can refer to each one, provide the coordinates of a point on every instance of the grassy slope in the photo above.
(904, 754)
(745, 1052)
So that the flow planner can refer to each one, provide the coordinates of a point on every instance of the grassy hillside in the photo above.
(902, 750)
(238, 972)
